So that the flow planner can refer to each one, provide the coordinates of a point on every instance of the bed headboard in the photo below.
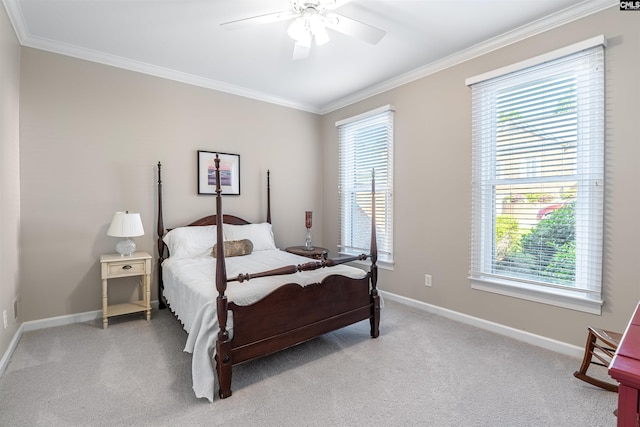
(163, 251)
(213, 220)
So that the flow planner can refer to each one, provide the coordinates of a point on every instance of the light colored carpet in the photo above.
(423, 370)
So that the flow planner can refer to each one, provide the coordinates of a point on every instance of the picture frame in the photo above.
(229, 173)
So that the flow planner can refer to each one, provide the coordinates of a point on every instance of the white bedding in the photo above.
(189, 287)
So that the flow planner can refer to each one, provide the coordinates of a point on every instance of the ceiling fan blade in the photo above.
(353, 28)
(261, 19)
(300, 51)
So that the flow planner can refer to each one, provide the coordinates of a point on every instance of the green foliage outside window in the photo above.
(547, 252)
(507, 235)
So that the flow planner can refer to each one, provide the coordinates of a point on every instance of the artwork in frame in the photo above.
(229, 173)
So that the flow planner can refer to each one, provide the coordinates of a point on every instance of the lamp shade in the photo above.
(125, 224)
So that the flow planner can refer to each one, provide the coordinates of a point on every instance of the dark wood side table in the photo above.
(316, 253)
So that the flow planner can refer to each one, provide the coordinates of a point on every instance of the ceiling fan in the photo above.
(311, 20)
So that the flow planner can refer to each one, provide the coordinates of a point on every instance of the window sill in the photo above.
(550, 296)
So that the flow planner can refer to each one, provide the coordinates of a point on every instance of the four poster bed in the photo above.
(264, 299)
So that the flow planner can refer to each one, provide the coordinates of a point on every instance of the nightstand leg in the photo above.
(147, 294)
(105, 321)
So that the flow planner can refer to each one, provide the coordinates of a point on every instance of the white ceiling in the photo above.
(183, 40)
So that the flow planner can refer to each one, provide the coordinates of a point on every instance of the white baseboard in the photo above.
(69, 319)
(529, 338)
(51, 322)
(4, 362)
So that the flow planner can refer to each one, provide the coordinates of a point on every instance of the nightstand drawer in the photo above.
(125, 268)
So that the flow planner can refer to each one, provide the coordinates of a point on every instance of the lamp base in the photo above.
(126, 247)
(307, 243)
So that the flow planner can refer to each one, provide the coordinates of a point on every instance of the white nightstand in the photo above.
(114, 266)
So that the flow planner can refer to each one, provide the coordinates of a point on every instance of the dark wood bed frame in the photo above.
(290, 315)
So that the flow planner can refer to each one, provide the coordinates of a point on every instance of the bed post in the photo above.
(375, 299)
(268, 196)
(160, 231)
(223, 345)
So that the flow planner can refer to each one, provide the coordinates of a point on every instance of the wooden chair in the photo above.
(601, 345)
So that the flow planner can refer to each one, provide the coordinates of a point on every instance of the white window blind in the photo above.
(538, 181)
(366, 145)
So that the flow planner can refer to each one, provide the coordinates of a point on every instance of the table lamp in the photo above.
(125, 224)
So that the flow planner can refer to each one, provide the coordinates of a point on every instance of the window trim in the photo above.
(537, 60)
(384, 261)
(549, 296)
(585, 302)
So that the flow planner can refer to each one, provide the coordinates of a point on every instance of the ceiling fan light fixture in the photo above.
(298, 29)
(321, 37)
(316, 25)
(305, 41)
(310, 25)
(311, 18)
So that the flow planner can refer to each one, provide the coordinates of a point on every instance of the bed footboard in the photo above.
(292, 322)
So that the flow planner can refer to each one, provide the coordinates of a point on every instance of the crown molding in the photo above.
(565, 16)
(28, 40)
(558, 19)
(17, 19)
(157, 71)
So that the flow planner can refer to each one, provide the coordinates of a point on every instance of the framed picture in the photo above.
(229, 173)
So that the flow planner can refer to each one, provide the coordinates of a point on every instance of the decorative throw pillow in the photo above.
(235, 248)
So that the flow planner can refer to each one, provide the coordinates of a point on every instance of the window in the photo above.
(538, 161)
(365, 145)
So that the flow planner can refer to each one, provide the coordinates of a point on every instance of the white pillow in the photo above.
(188, 242)
(260, 235)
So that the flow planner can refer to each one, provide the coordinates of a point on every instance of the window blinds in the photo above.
(366, 145)
(538, 175)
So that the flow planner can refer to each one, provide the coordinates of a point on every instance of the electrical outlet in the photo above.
(5, 321)
(427, 280)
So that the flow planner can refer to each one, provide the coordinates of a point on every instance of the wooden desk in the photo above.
(625, 368)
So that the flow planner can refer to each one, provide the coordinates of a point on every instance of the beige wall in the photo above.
(91, 136)
(9, 177)
(433, 184)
